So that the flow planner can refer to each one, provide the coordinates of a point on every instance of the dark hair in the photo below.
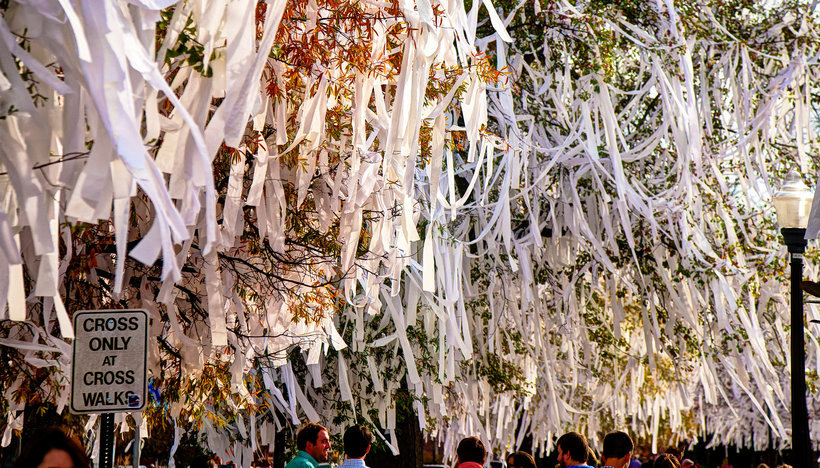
(522, 460)
(50, 439)
(674, 452)
(357, 439)
(471, 449)
(575, 444)
(666, 460)
(308, 433)
(202, 461)
(617, 444)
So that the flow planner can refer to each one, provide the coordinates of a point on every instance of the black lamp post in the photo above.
(792, 203)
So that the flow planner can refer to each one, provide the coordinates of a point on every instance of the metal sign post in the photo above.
(109, 372)
(107, 440)
(136, 449)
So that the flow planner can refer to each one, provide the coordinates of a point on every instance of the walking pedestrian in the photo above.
(520, 460)
(666, 460)
(53, 448)
(357, 441)
(313, 442)
(573, 450)
(617, 451)
(471, 453)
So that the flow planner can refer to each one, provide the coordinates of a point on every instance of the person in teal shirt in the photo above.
(313, 442)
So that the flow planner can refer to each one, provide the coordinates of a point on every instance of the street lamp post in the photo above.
(792, 203)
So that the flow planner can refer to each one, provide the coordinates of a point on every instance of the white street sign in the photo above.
(109, 370)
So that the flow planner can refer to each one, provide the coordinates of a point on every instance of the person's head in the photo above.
(357, 441)
(520, 460)
(315, 440)
(572, 449)
(674, 452)
(471, 449)
(666, 460)
(687, 463)
(202, 461)
(53, 448)
(617, 448)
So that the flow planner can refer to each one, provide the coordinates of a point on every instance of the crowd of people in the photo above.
(573, 451)
(53, 448)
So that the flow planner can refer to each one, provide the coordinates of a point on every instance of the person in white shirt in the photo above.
(618, 448)
(357, 444)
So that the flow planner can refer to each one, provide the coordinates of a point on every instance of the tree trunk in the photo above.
(409, 443)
